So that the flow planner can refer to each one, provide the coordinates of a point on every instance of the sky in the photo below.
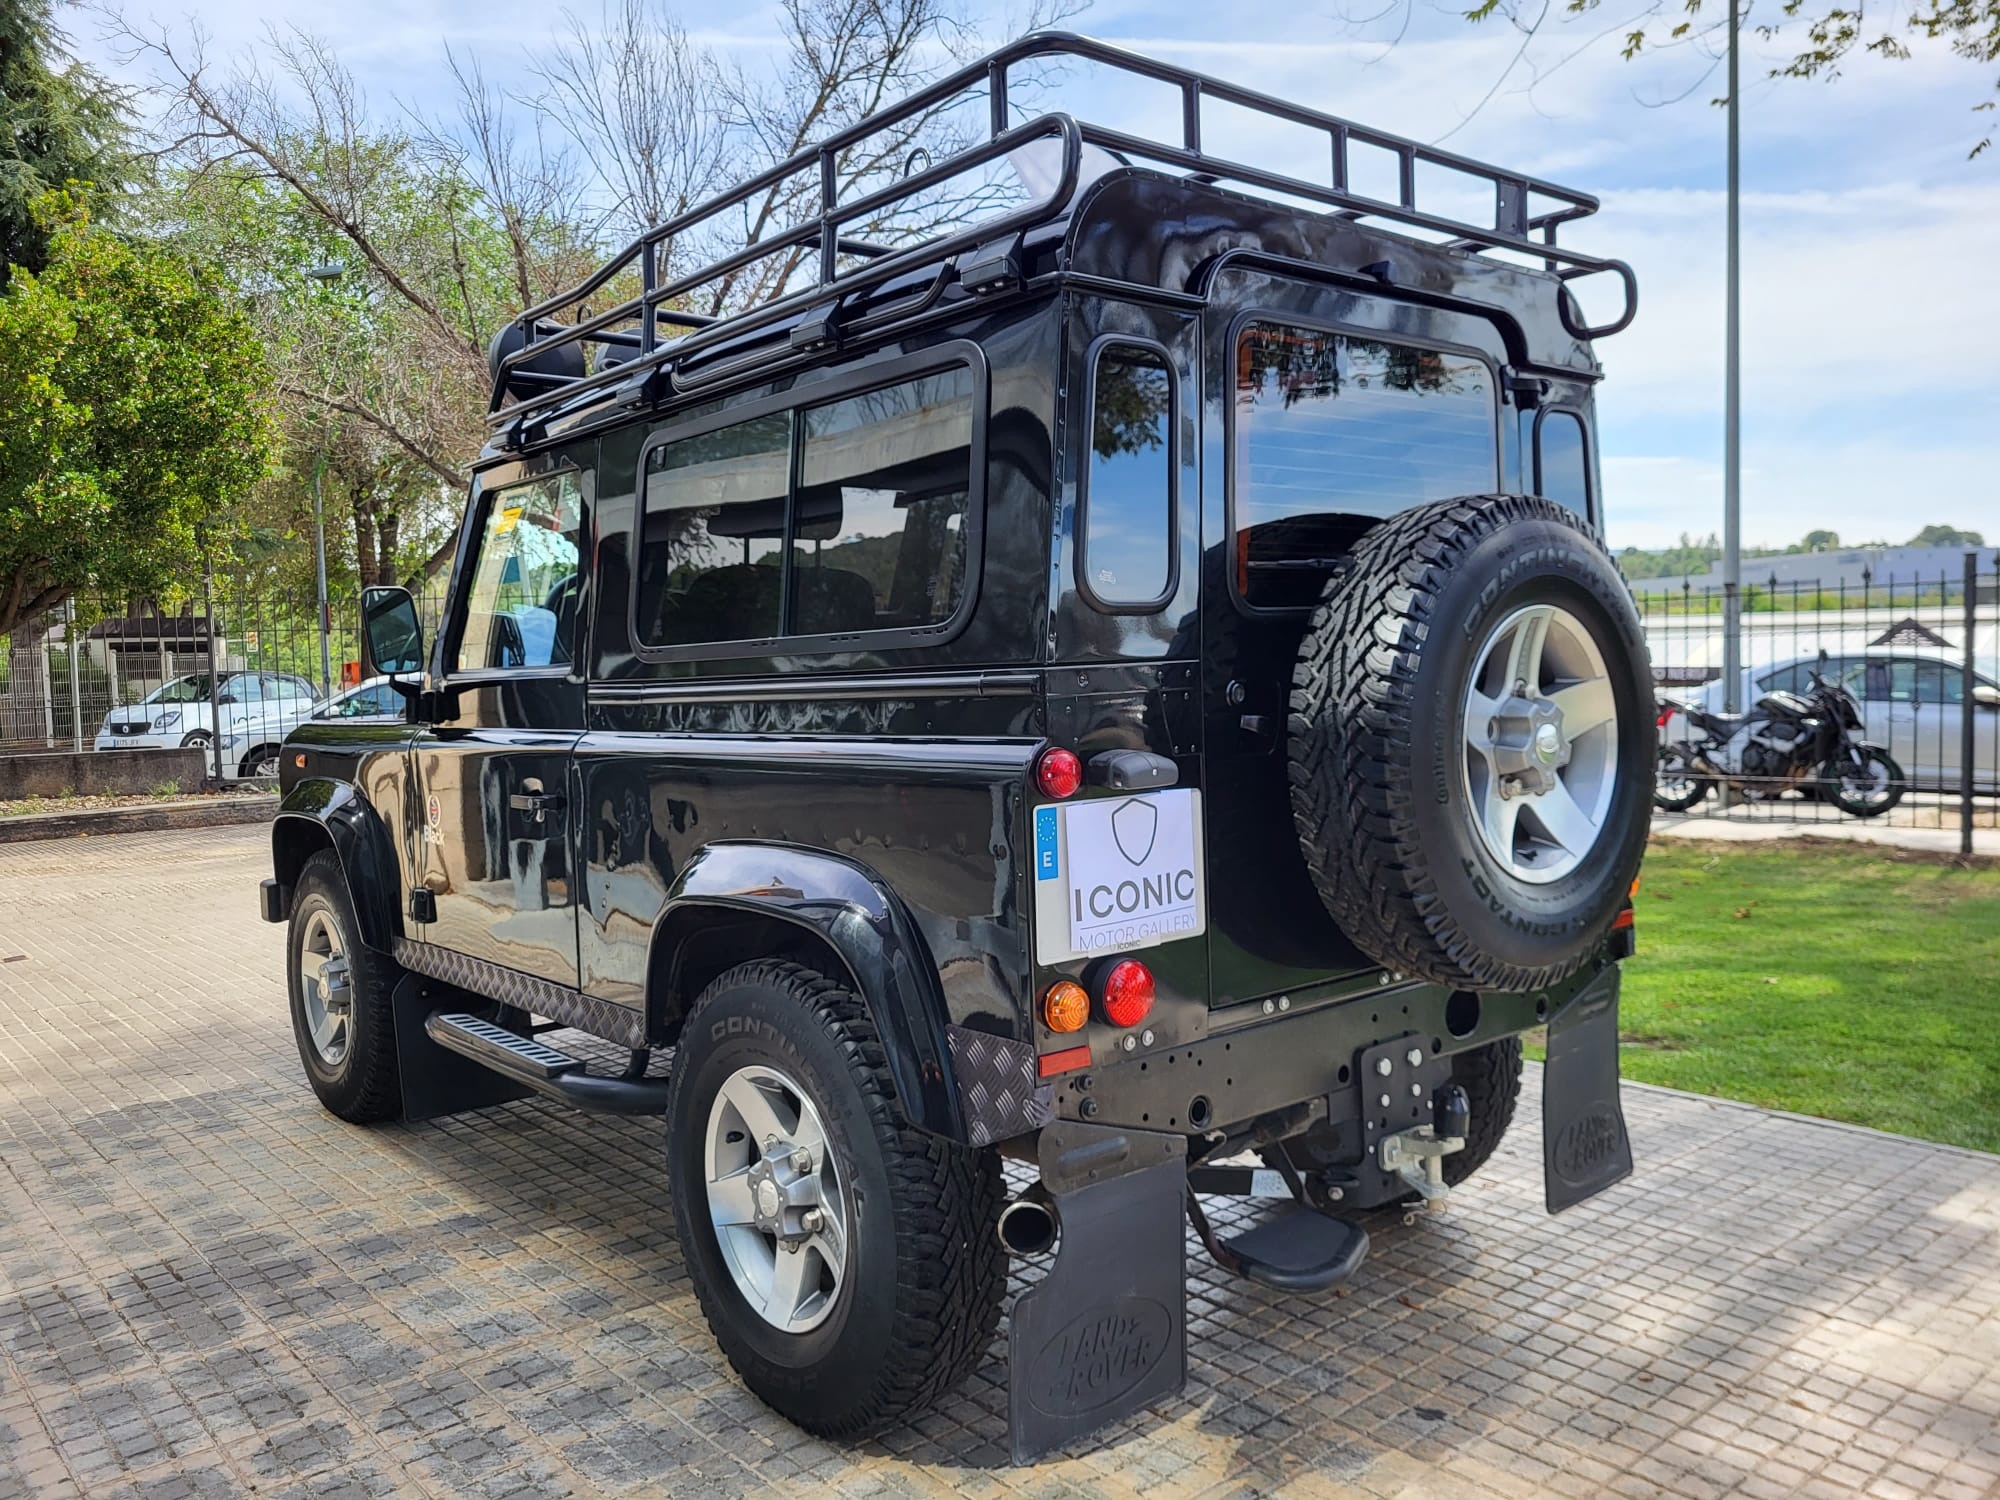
(1869, 240)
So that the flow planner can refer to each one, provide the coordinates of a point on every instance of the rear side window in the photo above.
(711, 563)
(1334, 432)
(880, 531)
(1125, 549)
(830, 520)
(1562, 462)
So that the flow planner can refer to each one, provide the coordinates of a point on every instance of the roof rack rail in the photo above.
(1518, 223)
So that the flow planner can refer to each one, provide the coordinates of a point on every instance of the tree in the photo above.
(1826, 32)
(451, 226)
(1821, 541)
(135, 395)
(1947, 536)
(59, 124)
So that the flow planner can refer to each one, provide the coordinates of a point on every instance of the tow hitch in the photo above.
(1417, 1156)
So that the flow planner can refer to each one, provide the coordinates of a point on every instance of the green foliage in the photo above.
(1946, 536)
(1827, 32)
(136, 399)
(1849, 983)
(59, 125)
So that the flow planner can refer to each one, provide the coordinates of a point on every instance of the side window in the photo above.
(1562, 462)
(1784, 680)
(1931, 682)
(867, 529)
(1335, 432)
(711, 557)
(1126, 541)
(879, 540)
(519, 608)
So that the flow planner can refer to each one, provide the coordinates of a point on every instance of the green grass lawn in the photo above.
(1857, 984)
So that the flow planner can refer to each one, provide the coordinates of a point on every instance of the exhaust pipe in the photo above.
(1028, 1224)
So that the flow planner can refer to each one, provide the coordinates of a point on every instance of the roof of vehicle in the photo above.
(1100, 203)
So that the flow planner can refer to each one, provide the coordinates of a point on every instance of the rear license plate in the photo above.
(1117, 873)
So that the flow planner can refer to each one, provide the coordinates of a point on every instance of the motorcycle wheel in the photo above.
(1863, 781)
(1676, 785)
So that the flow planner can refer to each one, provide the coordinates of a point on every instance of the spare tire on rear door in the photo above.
(1471, 743)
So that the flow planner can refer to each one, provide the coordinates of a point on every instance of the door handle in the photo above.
(538, 803)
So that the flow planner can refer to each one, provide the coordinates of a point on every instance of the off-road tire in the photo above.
(921, 1299)
(1491, 1078)
(1375, 735)
(365, 1087)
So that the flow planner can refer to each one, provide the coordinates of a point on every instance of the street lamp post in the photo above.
(1732, 414)
(326, 275)
(319, 561)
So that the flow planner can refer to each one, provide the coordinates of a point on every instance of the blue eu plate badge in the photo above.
(1048, 861)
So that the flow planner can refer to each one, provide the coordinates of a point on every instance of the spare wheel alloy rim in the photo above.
(777, 1198)
(1540, 743)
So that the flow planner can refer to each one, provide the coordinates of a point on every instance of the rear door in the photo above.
(496, 846)
(1335, 411)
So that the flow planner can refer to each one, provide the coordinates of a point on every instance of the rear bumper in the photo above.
(1266, 1064)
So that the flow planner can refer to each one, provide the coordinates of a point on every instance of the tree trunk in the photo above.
(24, 711)
(366, 555)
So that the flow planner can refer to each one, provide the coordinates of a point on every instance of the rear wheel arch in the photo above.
(738, 902)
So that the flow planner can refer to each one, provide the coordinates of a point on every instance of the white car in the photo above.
(1912, 705)
(258, 709)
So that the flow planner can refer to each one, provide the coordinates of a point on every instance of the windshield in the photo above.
(181, 690)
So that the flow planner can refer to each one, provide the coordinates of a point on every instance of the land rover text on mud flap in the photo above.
(1128, 682)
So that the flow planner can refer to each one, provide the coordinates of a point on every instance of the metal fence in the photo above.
(231, 670)
(1920, 653)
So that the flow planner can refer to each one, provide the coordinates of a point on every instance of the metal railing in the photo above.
(231, 672)
(1527, 212)
(1918, 650)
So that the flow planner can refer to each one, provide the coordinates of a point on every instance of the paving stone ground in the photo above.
(208, 1287)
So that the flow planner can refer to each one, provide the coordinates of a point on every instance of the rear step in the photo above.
(543, 1069)
(1301, 1250)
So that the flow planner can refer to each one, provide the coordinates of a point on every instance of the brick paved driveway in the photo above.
(209, 1287)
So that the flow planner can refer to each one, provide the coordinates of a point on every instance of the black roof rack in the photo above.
(1526, 214)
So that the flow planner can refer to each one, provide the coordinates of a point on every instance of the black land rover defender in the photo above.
(1125, 681)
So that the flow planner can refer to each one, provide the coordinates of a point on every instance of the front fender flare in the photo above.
(867, 926)
(346, 821)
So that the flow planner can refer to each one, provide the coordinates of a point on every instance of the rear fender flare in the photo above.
(851, 912)
(321, 812)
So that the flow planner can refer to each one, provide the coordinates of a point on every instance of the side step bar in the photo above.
(544, 1069)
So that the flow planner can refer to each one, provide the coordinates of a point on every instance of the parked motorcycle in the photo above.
(1805, 742)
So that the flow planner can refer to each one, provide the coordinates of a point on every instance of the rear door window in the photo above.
(1562, 460)
(1334, 432)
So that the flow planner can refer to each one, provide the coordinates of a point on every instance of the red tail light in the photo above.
(1058, 773)
(1128, 993)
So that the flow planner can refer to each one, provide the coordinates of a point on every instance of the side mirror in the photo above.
(389, 622)
(1986, 695)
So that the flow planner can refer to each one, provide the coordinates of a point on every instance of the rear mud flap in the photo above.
(1104, 1334)
(1584, 1145)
